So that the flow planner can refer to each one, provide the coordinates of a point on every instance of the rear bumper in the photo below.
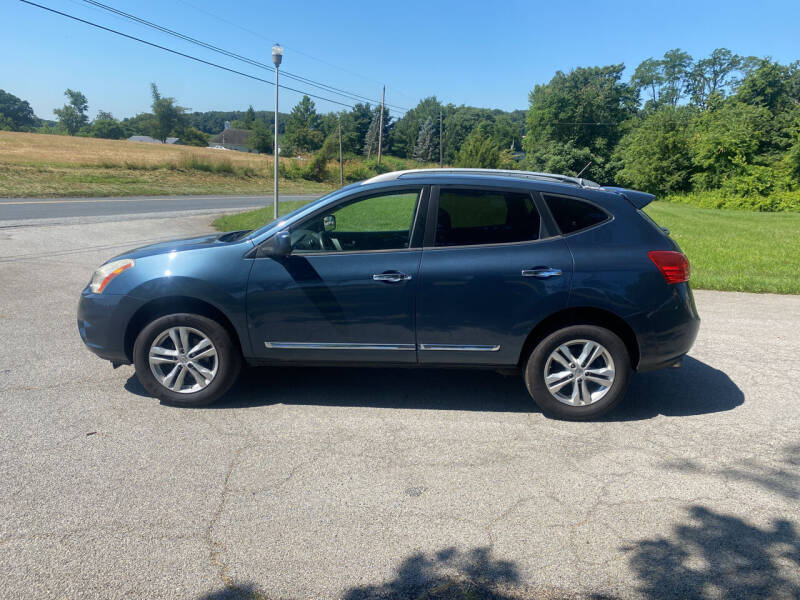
(102, 321)
(668, 332)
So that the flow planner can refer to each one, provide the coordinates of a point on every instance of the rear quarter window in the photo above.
(573, 215)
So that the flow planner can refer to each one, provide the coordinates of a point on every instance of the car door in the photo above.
(346, 292)
(491, 270)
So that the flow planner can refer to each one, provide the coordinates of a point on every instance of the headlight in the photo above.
(103, 275)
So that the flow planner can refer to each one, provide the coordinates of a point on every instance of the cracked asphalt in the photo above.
(368, 483)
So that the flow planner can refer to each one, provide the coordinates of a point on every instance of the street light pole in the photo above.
(277, 57)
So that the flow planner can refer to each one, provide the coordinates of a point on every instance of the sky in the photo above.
(487, 54)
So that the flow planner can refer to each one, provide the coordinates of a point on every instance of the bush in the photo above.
(780, 201)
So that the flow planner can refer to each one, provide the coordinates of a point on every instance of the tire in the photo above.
(208, 373)
(560, 396)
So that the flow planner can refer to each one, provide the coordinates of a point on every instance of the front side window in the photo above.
(572, 214)
(379, 222)
(473, 217)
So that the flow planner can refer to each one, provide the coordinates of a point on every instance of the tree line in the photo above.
(723, 122)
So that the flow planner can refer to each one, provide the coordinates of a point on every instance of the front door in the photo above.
(489, 274)
(347, 290)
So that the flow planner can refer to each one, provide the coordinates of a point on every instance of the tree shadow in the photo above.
(719, 556)
(694, 389)
(444, 575)
(449, 574)
(783, 479)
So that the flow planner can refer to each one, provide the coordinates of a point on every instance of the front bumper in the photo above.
(102, 321)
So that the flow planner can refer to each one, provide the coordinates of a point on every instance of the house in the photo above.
(150, 140)
(231, 139)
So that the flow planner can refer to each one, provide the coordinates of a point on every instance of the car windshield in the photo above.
(297, 211)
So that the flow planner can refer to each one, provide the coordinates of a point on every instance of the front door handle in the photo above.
(391, 277)
(541, 272)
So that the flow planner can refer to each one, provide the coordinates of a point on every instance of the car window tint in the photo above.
(471, 217)
(379, 222)
(572, 214)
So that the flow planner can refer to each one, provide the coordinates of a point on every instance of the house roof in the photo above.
(232, 137)
(150, 140)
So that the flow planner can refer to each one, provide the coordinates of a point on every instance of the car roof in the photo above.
(455, 174)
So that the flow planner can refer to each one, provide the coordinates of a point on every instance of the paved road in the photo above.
(52, 208)
(362, 483)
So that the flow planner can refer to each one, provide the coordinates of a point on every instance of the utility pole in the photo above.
(380, 127)
(441, 141)
(341, 163)
(277, 57)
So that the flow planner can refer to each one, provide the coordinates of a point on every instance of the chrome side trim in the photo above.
(336, 346)
(459, 347)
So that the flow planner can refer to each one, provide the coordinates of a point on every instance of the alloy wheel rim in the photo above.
(183, 359)
(579, 372)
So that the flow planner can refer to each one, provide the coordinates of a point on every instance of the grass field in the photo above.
(33, 165)
(736, 250)
(728, 249)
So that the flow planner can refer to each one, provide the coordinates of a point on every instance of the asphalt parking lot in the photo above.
(357, 483)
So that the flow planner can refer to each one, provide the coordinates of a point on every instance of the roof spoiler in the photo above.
(638, 199)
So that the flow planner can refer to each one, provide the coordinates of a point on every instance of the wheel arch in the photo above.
(583, 315)
(161, 307)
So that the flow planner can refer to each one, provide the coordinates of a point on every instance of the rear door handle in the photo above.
(541, 272)
(392, 277)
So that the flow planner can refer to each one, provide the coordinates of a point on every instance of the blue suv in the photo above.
(566, 281)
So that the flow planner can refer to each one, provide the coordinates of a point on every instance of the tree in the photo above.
(649, 77)
(249, 117)
(579, 112)
(355, 125)
(426, 147)
(655, 156)
(169, 118)
(373, 133)
(191, 136)
(726, 139)
(72, 116)
(711, 76)
(106, 126)
(478, 151)
(261, 138)
(15, 114)
(317, 167)
(302, 129)
(406, 130)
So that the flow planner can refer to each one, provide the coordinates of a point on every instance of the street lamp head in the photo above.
(277, 54)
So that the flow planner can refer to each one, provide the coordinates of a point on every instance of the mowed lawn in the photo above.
(736, 250)
(729, 249)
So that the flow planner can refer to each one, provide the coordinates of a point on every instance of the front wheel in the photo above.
(186, 359)
(578, 373)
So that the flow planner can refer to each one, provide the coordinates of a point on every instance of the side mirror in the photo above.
(329, 223)
(279, 244)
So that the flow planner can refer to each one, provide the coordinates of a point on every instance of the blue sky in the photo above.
(476, 53)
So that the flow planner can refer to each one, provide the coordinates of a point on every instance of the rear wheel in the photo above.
(186, 359)
(579, 372)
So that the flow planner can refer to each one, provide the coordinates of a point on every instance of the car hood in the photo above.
(182, 245)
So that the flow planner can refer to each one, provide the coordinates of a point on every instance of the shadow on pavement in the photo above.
(694, 389)
(783, 479)
(714, 555)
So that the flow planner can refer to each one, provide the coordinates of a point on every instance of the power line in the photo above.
(189, 56)
(338, 91)
(293, 49)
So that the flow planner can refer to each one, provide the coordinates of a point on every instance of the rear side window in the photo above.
(473, 217)
(572, 214)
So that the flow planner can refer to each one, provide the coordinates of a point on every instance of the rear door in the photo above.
(491, 270)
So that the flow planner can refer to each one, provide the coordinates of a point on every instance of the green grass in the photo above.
(253, 219)
(736, 250)
(729, 250)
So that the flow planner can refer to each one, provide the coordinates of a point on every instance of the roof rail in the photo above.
(394, 175)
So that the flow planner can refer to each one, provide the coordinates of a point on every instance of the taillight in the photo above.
(674, 266)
